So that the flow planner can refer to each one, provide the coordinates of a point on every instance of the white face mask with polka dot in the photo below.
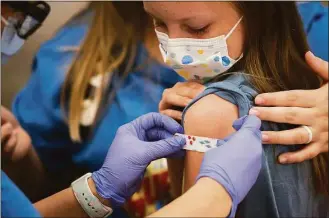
(200, 59)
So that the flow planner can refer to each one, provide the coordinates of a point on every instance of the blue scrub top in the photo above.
(315, 20)
(37, 106)
(13, 202)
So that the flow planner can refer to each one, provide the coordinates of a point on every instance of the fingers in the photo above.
(8, 137)
(250, 121)
(188, 89)
(156, 120)
(167, 147)
(286, 137)
(10, 144)
(179, 96)
(248, 131)
(22, 146)
(157, 134)
(7, 116)
(307, 153)
(173, 99)
(6, 131)
(292, 115)
(317, 64)
(293, 98)
(176, 115)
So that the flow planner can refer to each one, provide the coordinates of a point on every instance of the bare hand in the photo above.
(15, 142)
(300, 107)
(179, 96)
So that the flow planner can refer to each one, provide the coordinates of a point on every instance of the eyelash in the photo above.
(200, 31)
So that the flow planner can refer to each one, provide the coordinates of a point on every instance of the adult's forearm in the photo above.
(61, 204)
(27, 173)
(206, 198)
(65, 204)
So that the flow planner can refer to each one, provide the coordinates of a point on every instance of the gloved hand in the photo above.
(135, 145)
(237, 162)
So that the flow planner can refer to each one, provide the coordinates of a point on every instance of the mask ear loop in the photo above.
(233, 28)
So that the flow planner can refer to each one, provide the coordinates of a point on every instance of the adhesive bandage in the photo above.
(200, 144)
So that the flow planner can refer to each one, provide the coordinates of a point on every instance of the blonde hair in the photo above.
(111, 42)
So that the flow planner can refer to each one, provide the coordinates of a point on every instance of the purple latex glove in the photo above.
(135, 145)
(237, 162)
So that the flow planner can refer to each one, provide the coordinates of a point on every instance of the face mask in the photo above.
(200, 59)
(10, 41)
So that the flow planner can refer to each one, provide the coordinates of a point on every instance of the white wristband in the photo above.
(90, 203)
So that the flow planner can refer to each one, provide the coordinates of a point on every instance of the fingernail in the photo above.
(311, 53)
(259, 100)
(265, 137)
(283, 159)
(254, 111)
(187, 102)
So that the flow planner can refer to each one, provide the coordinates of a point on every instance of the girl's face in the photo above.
(198, 20)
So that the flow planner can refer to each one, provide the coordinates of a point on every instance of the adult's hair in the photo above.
(110, 45)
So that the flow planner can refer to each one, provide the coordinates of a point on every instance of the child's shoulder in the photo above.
(234, 89)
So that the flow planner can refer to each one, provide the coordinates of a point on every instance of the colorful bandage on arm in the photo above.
(200, 144)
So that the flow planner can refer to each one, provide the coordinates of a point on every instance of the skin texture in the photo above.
(298, 107)
(220, 17)
(151, 42)
(16, 143)
(202, 20)
(64, 203)
(19, 159)
(216, 202)
(201, 120)
(180, 95)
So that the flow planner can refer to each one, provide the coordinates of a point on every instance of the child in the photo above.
(240, 49)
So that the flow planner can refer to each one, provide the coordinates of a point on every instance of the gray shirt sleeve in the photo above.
(280, 190)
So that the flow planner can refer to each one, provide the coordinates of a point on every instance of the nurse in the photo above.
(80, 106)
(218, 190)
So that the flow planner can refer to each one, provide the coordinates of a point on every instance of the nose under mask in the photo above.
(200, 59)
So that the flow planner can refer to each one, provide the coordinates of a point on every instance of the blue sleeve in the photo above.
(13, 202)
(168, 77)
(156, 71)
(37, 106)
(315, 20)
